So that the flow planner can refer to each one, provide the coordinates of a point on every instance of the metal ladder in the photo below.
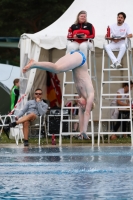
(70, 96)
(104, 96)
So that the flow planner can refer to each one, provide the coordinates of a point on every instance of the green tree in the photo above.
(30, 16)
(27, 16)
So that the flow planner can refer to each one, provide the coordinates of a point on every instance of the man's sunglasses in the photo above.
(38, 93)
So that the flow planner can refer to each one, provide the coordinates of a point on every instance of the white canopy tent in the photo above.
(50, 43)
(7, 75)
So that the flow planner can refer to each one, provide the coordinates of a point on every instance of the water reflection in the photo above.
(40, 154)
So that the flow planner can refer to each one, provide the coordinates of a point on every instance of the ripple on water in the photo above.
(66, 173)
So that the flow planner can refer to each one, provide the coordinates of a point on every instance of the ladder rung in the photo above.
(115, 81)
(50, 134)
(108, 98)
(116, 120)
(114, 95)
(117, 133)
(120, 107)
(70, 133)
(70, 82)
(119, 77)
(110, 69)
(71, 120)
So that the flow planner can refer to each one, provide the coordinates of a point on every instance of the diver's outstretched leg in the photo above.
(28, 65)
(67, 62)
(48, 66)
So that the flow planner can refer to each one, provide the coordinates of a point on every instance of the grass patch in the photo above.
(65, 140)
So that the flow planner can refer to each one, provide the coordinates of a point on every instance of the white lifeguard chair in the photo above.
(115, 77)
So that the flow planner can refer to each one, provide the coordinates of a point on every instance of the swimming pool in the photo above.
(66, 173)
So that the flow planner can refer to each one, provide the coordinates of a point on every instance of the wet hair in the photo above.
(123, 14)
(126, 84)
(38, 89)
(15, 81)
(77, 19)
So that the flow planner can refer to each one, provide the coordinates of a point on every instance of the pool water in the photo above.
(66, 173)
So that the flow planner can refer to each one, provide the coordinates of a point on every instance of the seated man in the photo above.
(119, 32)
(121, 101)
(32, 109)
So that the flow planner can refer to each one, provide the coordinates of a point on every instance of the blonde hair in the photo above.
(77, 19)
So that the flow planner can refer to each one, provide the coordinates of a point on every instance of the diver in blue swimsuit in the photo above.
(75, 61)
(83, 56)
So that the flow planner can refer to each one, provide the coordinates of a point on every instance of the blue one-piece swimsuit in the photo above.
(83, 57)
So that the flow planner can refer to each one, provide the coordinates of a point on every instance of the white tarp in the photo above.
(101, 13)
(8, 73)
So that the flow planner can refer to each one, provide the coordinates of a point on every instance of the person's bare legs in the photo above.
(31, 62)
(26, 122)
(81, 121)
(67, 62)
(82, 125)
(84, 115)
(75, 126)
(26, 129)
(29, 117)
(87, 112)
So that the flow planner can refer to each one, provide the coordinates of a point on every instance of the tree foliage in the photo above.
(27, 16)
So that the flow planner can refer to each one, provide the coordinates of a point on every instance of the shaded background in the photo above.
(27, 16)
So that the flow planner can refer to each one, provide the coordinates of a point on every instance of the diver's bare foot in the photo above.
(85, 136)
(28, 65)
